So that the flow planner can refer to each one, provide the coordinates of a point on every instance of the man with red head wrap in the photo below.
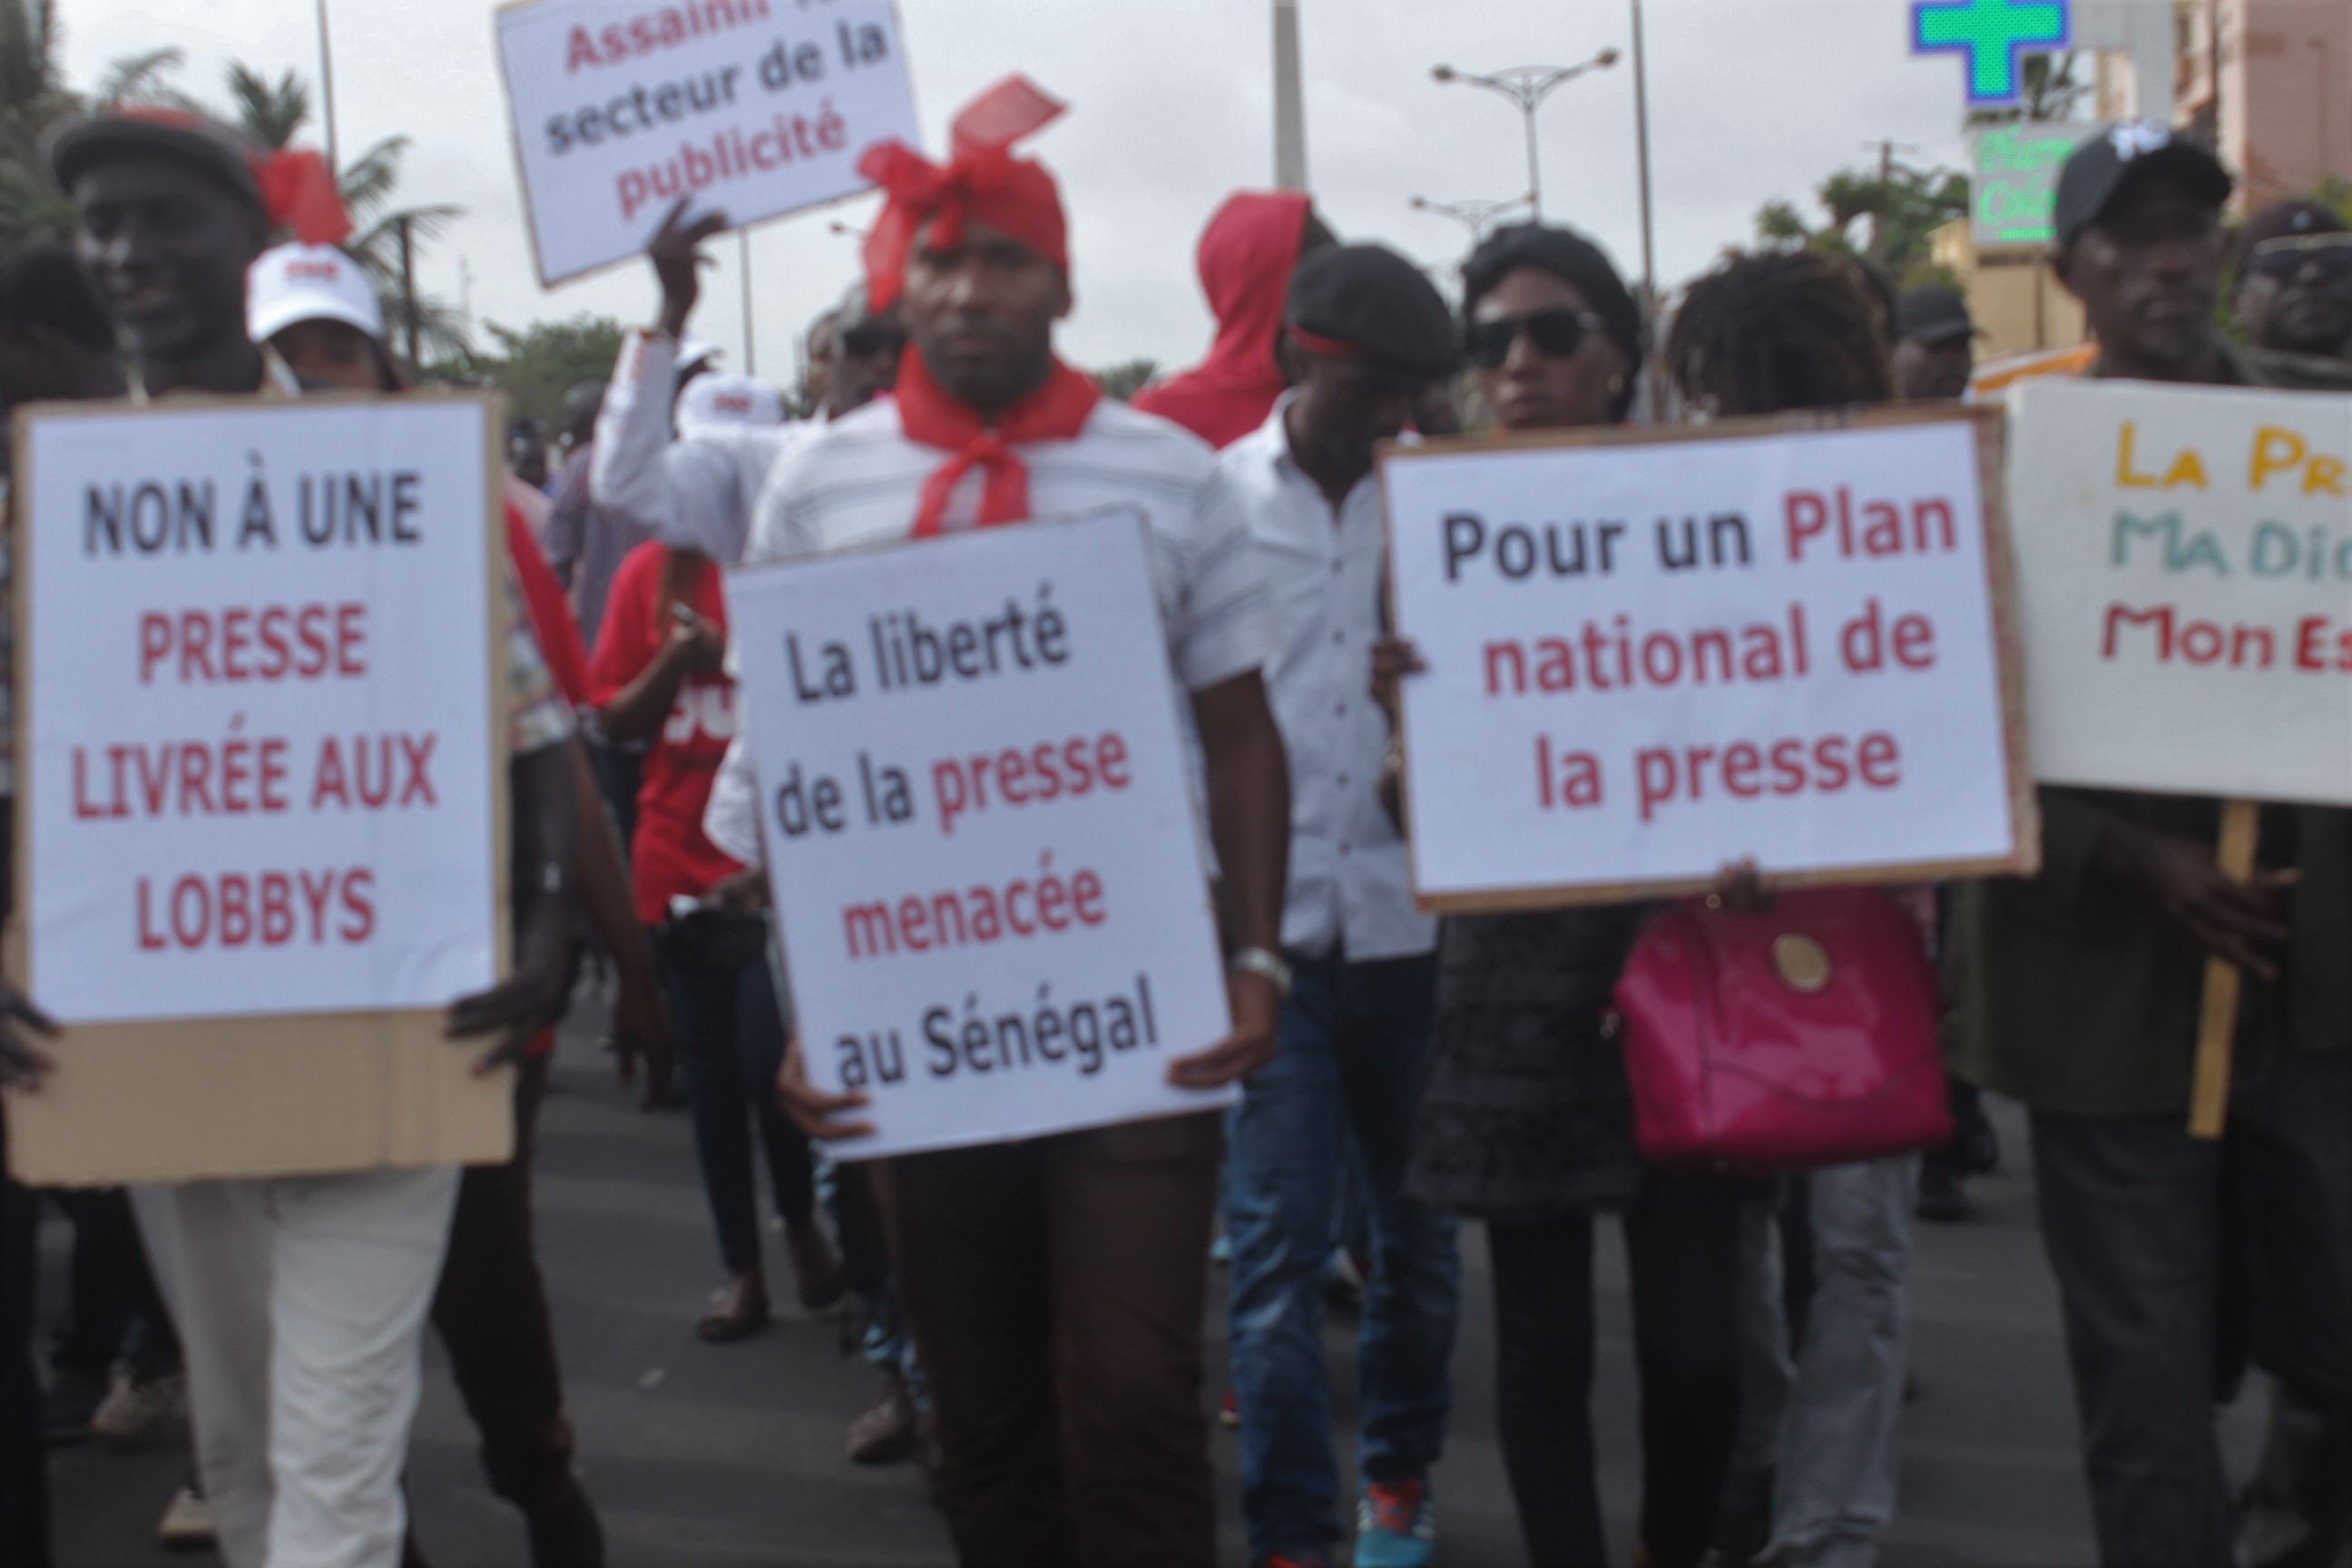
(1055, 1286)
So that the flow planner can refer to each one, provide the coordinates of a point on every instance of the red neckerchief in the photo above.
(1057, 411)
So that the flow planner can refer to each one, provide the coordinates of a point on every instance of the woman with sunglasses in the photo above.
(1527, 1117)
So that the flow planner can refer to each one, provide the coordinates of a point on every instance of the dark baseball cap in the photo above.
(1931, 313)
(1366, 302)
(2127, 150)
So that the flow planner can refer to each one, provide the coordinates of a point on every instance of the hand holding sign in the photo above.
(1256, 1010)
(23, 1065)
(815, 1113)
(678, 260)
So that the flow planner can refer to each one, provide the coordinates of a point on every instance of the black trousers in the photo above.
(1056, 1288)
(2146, 1229)
(491, 1309)
(117, 1311)
(1681, 1242)
(24, 1464)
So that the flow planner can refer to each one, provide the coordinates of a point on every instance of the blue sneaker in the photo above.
(1396, 1525)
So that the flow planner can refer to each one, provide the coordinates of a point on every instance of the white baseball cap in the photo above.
(717, 400)
(294, 283)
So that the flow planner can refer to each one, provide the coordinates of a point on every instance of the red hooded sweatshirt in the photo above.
(1248, 254)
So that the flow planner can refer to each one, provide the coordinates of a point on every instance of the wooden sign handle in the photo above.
(2216, 1023)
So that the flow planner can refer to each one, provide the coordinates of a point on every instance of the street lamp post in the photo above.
(1649, 234)
(1528, 87)
(327, 90)
(1472, 216)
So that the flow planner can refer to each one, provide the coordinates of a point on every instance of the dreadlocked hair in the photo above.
(1778, 330)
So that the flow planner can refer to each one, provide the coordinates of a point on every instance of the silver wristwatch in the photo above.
(1268, 966)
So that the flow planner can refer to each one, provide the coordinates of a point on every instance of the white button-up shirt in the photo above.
(1349, 890)
(859, 481)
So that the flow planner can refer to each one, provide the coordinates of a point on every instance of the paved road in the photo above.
(703, 1456)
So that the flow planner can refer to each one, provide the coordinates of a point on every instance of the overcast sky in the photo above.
(1170, 108)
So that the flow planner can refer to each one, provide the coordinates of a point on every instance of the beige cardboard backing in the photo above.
(192, 1100)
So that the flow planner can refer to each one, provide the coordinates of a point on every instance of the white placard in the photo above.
(757, 107)
(2185, 587)
(977, 808)
(1651, 657)
(255, 738)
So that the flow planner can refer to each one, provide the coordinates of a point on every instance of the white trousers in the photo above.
(300, 1304)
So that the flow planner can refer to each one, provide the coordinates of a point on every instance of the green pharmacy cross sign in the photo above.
(1994, 34)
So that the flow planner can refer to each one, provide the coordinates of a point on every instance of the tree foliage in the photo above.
(2054, 85)
(1124, 380)
(1899, 213)
(272, 112)
(535, 366)
(31, 95)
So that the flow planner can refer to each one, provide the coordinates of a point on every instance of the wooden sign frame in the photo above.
(1990, 424)
(281, 1094)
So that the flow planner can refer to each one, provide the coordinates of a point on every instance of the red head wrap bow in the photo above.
(299, 193)
(982, 181)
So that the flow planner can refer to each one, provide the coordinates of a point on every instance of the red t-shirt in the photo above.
(671, 854)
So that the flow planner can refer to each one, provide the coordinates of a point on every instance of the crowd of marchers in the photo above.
(1035, 1308)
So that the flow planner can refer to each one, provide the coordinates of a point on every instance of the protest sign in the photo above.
(2185, 587)
(976, 802)
(758, 106)
(260, 819)
(1651, 654)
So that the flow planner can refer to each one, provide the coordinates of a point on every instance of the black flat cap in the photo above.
(2291, 219)
(1932, 313)
(218, 152)
(2121, 153)
(1366, 302)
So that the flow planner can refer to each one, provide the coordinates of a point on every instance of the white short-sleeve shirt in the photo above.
(859, 481)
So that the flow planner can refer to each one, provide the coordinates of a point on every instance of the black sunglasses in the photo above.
(1557, 335)
(2281, 258)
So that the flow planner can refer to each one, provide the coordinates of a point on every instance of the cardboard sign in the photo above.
(2185, 558)
(757, 107)
(976, 802)
(260, 687)
(1653, 654)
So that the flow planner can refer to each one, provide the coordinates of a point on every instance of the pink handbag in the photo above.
(1800, 1036)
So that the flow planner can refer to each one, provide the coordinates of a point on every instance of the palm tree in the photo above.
(272, 113)
(269, 112)
(145, 79)
(31, 95)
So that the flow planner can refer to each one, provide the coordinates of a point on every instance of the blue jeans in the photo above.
(1352, 1040)
(731, 1043)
